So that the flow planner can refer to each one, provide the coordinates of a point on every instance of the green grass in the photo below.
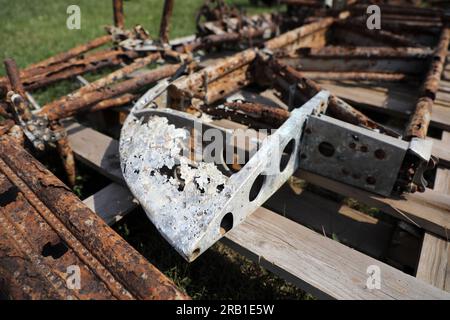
(34, 31)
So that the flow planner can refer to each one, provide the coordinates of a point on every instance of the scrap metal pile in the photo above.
(271, 75)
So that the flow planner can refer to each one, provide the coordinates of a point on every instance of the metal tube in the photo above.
(165, 21)
(420, 120)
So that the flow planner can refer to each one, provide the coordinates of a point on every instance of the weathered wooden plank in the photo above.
(317, 264)
(112, 203)
(429, 210)
(328, 268)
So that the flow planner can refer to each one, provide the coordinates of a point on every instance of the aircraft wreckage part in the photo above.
(46, 230)
(357, 76)
(119, 18)
(165, 21)
(54, 112)
(105, 81)
(420, 120)
(267, 114)
(351, 154)
(285, 76)
(64, 56)
(370, 52)
(194, 206)
(72, 68)
(296, 34)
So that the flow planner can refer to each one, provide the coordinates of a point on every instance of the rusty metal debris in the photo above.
(46, 229)
(192, 200)
(359, 150)
(421, 118)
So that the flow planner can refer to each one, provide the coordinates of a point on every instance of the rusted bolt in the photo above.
(371, 180)
(352, 145)
(364, 149)
(380, 154)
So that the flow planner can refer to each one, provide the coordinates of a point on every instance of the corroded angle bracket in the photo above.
(194, 202)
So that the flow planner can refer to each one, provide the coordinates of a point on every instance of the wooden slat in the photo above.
(112, 203)
(429, 210)
(320, 265)
(350, 227)
(434, 261)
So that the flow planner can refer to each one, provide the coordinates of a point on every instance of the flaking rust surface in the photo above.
(181, 208)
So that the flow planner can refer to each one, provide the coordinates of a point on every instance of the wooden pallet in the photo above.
(321, 245)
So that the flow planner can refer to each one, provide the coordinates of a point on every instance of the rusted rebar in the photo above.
(119, 20)
(266, 114)
(308, 88)
(65, 152)
(70, 107)
(72, 53)
(357, 76)
(42, 217)
(349, 52)
(5, 126)
(16, 86)
(420, 120)
(107, 80)
(165, 21)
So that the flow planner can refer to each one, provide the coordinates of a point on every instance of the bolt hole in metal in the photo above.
(256, 187)
(55, 251)
(227, 223)
(286, 156)
(326, 149)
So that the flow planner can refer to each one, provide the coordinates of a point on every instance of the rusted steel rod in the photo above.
(119, 20)
(73, 68)
(357, 76)
(229, 37)
(165, 21)
(17, 87)
(72, 53)
(14, 76)
(383, 36)
(420, 120)
(110, 267)
(112, 103)
(370, 52)
(266, 114)
(194, 85)
(400, 9)
(66, 153)
(337, 107)
(107, 80)
(294, 35)
(5, 126)
(71, 107)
